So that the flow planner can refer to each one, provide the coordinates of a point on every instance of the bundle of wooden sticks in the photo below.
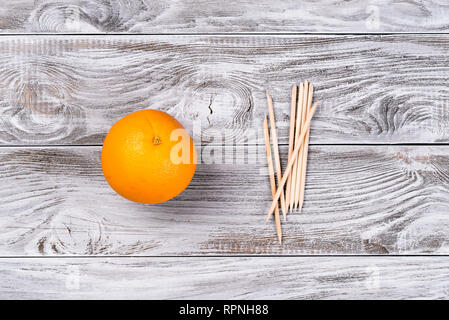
(290, 186)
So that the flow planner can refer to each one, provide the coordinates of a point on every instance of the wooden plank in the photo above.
(372, 89)
(358, 200)
(225, 278)
(192, 16)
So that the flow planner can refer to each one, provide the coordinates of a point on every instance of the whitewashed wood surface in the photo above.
(70, 69)
(359, 200)
(206, 16)
(371, 89)
(226, 278)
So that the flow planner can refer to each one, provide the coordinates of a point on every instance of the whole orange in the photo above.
(148, 157)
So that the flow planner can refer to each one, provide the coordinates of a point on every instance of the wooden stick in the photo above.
(271, 174)
(297, 134)
(291, 140)
(292, 160)
(301, 152)
(277, 161)
(305, 154)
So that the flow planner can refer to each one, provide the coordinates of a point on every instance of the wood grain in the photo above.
(358, 200)
(371, 89)
(226, 278)
(193, 16)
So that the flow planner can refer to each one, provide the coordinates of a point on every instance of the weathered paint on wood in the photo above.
(226, 278)
(371, 89)
(193, 16)
(359, 200)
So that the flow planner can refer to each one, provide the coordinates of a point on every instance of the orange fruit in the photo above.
(148, 157)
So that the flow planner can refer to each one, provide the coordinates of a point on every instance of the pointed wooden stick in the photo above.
(291, 139)
(305, 154)
(271, 174)
(297, 134)
(301, 152)
(277, 161)
(292, 160)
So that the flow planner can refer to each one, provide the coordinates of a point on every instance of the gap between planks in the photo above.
(37, 146)
(231, 256)
(230, 34)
